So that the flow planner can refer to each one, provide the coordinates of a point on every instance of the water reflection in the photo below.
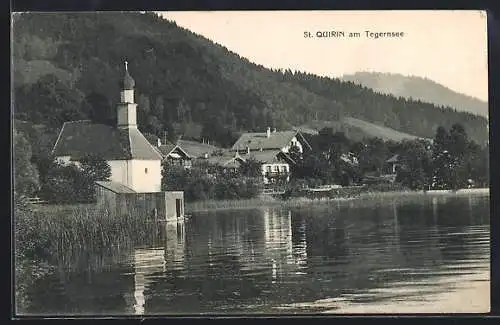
(151, 263)
(273, 260)
(299, 248)
(278, 240)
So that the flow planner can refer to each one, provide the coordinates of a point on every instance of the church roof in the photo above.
(80, 138)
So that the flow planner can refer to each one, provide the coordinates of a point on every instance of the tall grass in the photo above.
(59, 234)
(73, 238)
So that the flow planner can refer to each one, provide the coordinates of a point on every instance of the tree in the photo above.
(143, 111)
(92, 168)
(95, 168)
(59, 183)
(250, 168)
(373, 156)
(159, 109)
(441, 139)
(100, 110)
(458, 141)
(415, 170)
(26, 180)
(154, 125)
(49, 101)
(254, 115)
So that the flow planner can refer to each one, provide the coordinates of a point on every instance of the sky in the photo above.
(449, 47)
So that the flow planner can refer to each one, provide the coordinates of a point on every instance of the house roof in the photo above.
(196, 149)
(393, 159)
(226, 159)
(305, 129)
(115, 187)
(80, 138)
(268, 156)
(168, 148)
(259, 140)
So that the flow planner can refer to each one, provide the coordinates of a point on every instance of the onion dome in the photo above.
(127, 81)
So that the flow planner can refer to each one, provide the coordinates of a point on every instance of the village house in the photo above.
(197, 149)
(228, 161)
(135, 163)
(174, 154)
(272, 150)
(391, 165)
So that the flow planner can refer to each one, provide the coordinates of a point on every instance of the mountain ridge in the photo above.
(186, 83)
(421, 88)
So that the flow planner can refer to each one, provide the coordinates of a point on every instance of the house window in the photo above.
(276, 168)
(145, 170)
(268, 168)
(283, 169)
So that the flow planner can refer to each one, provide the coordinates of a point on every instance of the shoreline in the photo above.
(268, 201)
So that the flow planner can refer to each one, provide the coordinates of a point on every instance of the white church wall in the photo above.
(119, 172)
(146, 175)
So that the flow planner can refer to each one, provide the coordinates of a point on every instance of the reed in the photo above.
(63, 234)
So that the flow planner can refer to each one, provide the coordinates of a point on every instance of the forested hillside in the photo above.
(67, 66)
(418, 88)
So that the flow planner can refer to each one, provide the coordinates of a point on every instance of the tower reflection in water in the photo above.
(286, 258)
(151, 262)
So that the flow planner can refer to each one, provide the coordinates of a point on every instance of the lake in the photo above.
(392, 255)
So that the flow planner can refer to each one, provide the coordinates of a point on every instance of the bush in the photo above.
(72, 184)
(201, 183)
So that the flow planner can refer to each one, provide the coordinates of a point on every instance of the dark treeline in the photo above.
(67, 66)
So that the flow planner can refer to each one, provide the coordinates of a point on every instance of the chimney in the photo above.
(248, 150)
(158, 142)
(268, 132)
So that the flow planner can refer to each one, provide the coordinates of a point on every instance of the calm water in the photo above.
(418, 255)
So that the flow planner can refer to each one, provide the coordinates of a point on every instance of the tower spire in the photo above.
(127, 107)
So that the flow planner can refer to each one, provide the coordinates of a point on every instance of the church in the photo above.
(134, 162)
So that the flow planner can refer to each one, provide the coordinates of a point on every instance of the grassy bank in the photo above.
(356, 196)
(262, 201)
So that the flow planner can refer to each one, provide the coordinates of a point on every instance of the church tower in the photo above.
(127, 108)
